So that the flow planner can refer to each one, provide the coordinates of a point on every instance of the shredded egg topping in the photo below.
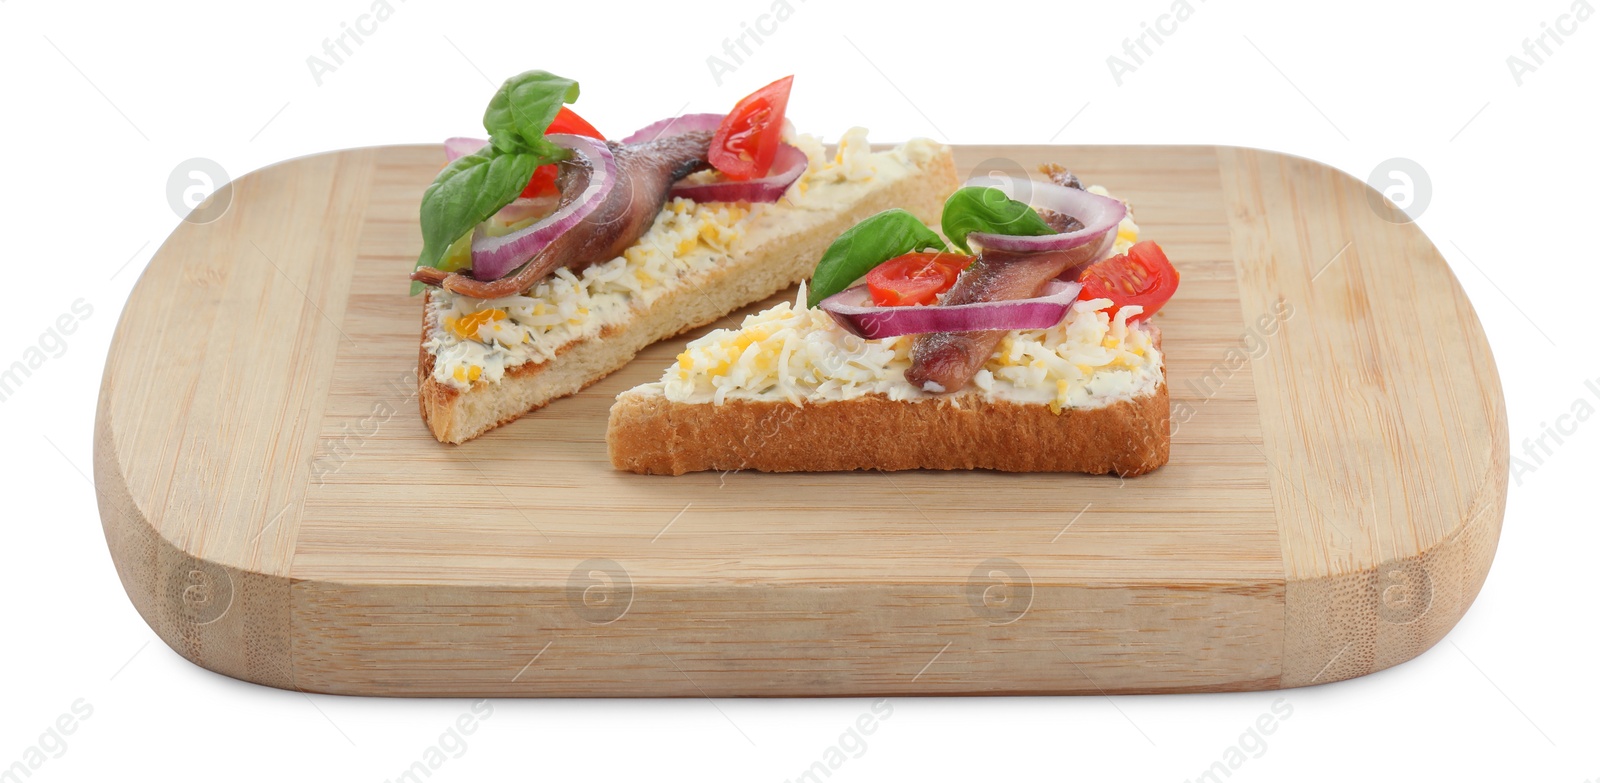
(800, 355)
(478, 340)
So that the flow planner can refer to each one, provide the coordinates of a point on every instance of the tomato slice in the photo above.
(568, 121)
(914, 278)
(543, 182)
(747, 140)
(1143, 276)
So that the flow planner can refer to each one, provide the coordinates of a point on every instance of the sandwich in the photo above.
(1027, 346)
(551, 256)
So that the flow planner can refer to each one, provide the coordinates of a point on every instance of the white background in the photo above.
(102, 101)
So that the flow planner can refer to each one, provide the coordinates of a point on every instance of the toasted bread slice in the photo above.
(649, 433)
(455, 414)
(792, 388)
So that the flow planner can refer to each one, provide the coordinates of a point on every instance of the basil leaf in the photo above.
(475, 186)
(466, 193)
(523, 108)
(867, 244)
(988, 211)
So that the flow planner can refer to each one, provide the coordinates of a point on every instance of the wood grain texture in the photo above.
(278, 512)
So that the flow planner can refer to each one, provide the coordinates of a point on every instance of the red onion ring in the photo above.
(854, 311)
(787, 167)
(459, 146)
(524, 208)
(495, 257)
(673, 126)
(1098, 214)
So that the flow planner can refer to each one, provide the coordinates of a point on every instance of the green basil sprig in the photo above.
(474, 187)
(988, 211)
(523, 107)
(869, 243)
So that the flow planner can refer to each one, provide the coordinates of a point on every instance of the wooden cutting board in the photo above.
(278, 512)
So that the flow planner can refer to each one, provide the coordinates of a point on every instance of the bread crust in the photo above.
(647, 433)
(457, 415)
(454, 415)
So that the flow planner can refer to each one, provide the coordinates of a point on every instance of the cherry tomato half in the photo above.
(914, 278)
(543, 182)
(1143, 276)
(568, 121)
(747, 140)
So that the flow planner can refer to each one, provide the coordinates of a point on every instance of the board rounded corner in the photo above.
(226, 619)
(1344, 626)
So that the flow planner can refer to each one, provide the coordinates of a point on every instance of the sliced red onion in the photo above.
(673, 126)
(854, 311)
(524, 208)
(495, 257)
(1098, 214)
(787, 166)
(459, 146)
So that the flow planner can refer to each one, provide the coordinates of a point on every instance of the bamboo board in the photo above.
(278, 512)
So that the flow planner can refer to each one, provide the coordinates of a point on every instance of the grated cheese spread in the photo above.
(800, 355)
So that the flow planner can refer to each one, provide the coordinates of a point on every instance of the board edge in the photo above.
(232, 621)
(1343, 626)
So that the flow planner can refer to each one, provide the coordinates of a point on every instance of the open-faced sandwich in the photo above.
(551, 256)
(1029, 350)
